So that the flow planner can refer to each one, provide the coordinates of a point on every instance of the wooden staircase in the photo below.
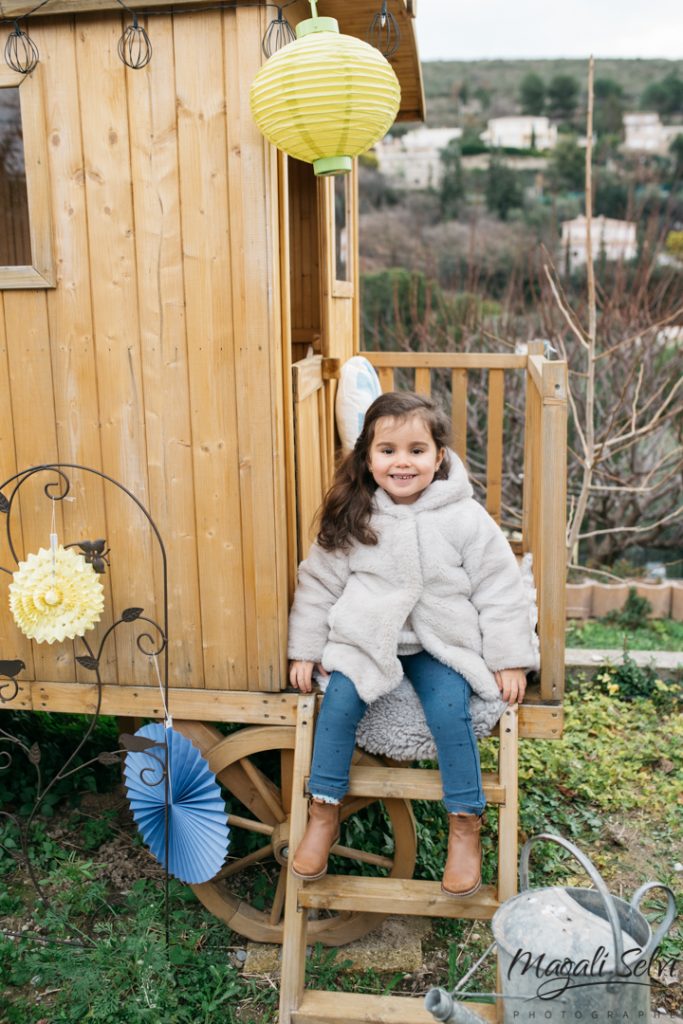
(386, 895)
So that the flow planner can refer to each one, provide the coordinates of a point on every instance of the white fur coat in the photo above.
(442, 561)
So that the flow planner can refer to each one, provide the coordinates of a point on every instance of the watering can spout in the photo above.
(443, 1008)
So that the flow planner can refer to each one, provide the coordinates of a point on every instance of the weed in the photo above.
(633, 612)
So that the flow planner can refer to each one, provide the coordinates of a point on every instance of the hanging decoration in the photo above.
(326, 97)
(21, 53)
(278, 34)
(55, 595)
(384, 32)
(176, 802)
(135, 47)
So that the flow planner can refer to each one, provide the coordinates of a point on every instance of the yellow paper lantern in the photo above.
(326, 97)
(52, 598)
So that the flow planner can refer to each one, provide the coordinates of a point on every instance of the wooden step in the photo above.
(395, 896)
(413, 784)
(349, 1007)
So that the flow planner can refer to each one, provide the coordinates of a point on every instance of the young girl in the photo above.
(409, 574)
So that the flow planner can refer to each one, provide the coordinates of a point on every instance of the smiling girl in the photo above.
(408, 575)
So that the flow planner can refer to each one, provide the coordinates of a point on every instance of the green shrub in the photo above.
(634, 611)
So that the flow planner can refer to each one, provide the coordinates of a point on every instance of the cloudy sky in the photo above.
(466, 30)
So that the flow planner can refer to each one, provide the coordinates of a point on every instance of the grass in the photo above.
(613, 785)
(652, 635)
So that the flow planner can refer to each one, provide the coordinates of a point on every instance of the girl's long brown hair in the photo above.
(347, 506)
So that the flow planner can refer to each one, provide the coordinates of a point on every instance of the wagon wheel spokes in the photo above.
(244, 862)
(268, 792)
(279, 898)
(362, 855)
(354, 806)
(250, 824)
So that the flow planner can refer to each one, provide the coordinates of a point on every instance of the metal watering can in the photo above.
(568, 954)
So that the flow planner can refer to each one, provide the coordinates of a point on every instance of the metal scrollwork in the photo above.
(151, 642)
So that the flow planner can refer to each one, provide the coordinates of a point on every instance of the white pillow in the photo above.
(357, 390)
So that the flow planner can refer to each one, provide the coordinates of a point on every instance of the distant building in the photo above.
(611, 239)
(520, 133)
(645, 133)
(413, 160)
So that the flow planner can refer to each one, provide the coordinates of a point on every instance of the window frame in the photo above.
(40, 273)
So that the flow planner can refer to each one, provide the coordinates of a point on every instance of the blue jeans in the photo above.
(445, 698)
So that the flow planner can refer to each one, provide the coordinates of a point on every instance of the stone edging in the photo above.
(591, 599)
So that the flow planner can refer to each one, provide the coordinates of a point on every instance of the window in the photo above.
(15, 240)
(25, 227)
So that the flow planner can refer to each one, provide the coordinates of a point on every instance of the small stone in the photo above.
(241, 955)
(678, 867)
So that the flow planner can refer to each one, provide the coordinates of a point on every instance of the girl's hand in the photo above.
(301, 674)
(512, 684)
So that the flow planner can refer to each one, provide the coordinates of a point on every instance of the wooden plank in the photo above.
(19, 8)
(494, 443)
(308, 468)
(386, 378)
(412, 784)
(295, 924)
(447, 360)
(35, 439)
(74, 369)
(202, 149)
(287, 390)
(459, 412)
(536, 721)
(336, 1007)
(252, 187)
(23, 278)
(158, 245)
(104, 126)
(508, 814)
(395, 896)
(423, 381)
(551, 569)
(12, 642)
(307, 377)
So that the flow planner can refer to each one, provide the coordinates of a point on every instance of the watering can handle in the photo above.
(595, 878)
(668, 916)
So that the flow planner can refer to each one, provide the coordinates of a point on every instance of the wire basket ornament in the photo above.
(21, 53)
(278, 34)
(384, 32)
(135, 46)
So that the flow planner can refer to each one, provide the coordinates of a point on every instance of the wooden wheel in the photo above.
(259, 814)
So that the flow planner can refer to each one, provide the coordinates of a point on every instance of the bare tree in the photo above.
(626, 398)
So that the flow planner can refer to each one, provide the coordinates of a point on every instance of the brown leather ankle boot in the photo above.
(322, 832)
(462, 874)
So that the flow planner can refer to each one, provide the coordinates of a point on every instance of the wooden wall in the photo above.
(157, 358)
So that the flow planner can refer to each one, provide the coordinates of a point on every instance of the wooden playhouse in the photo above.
(176, 300)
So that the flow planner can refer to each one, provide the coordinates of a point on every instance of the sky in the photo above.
(467, 30)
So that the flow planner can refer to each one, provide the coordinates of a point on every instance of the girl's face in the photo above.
(403, 457)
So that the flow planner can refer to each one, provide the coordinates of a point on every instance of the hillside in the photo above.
(493, 85)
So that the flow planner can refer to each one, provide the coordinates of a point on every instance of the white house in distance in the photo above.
(611, 239)
(413, 160)
(645, 133)
(524, 132)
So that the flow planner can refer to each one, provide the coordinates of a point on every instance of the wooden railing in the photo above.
(545, 466)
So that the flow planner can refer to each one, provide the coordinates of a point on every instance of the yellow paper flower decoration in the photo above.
(52, 599)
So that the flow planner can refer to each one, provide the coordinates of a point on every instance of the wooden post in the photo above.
(294, 937)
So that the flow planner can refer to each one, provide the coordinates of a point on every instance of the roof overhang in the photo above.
(354, 17)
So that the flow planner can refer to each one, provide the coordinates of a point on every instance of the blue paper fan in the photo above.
(197, 820)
